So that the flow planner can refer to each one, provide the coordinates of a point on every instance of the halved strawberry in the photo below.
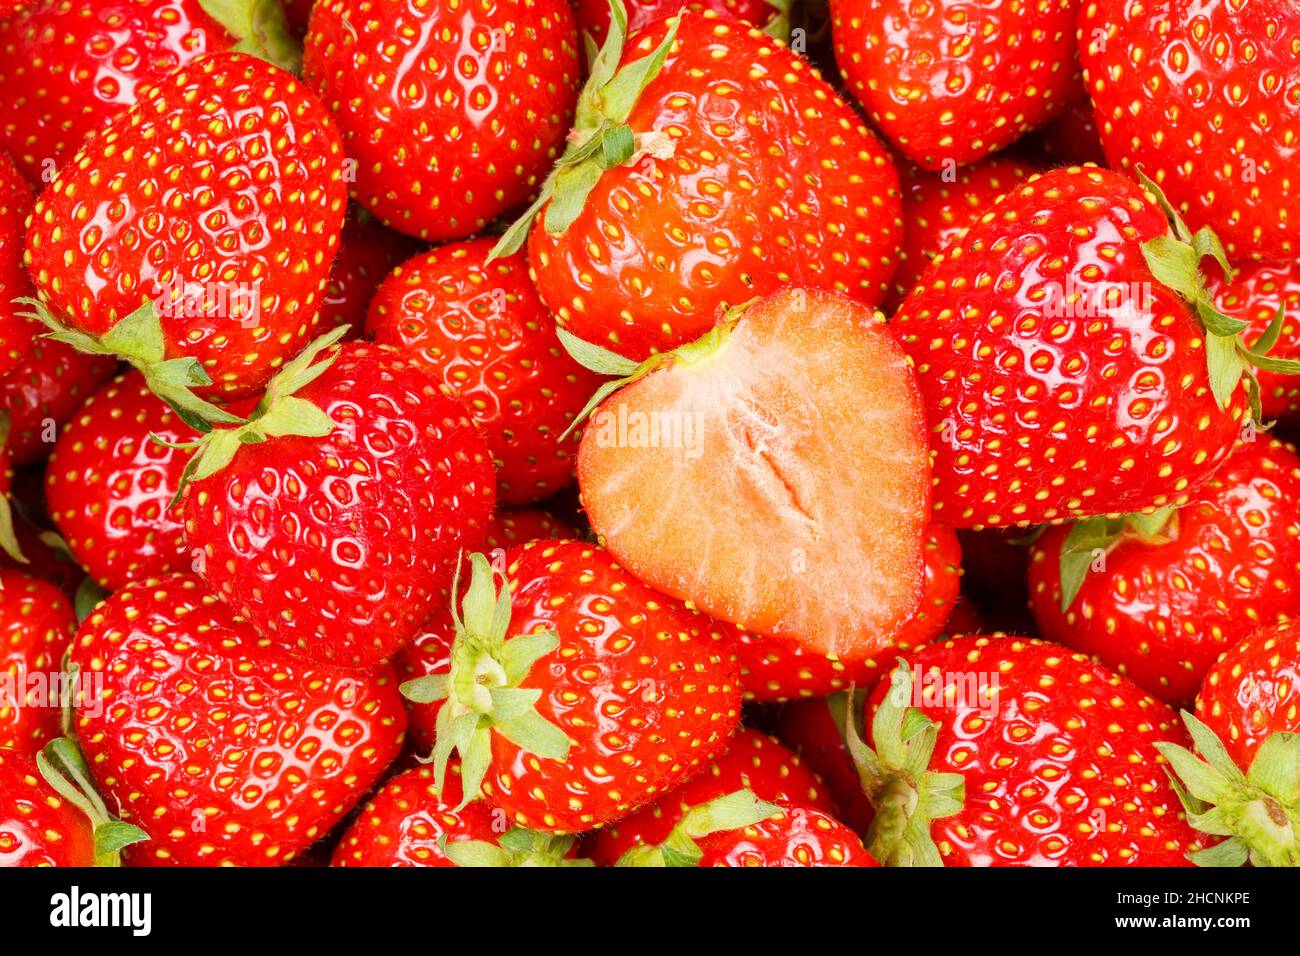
(775, 473)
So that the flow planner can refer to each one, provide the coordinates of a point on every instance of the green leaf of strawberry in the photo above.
(64, 768)
(261, 27)
(1092, 536)
(732, 811)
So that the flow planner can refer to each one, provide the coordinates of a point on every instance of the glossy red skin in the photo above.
(66, 68)
(16, 332)
(1063, 739)
(1255, 295)
(647, 689)
(593, 15)
(429, 653)
(108, 484)
(1038, 418)
(482, 329)
(1253, 691)
(273, 749)
(808, 727)
(1161, 614)
(521, 525)
(1071, 139)
(368, 252)
(36, 624)
(1214, 87)
(276, 239)
(43, 561)
(37, 826)
(937, 210)
(955, 80)
(403, 823)
(775, 668)
(472, 131)
(801, 836)
(754, 762)
(53, 381)
(343, 546)
(677, 240)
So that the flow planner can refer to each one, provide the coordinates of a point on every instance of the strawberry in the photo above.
(710, 167)
(1246, 787)
(110, 482)
(1160, 600)
(814, 729)
(16, 331)
(9, 546)
(1202, 96)
(521, 525)
(1259, 292)
(368, 252)
(50, 815)
(334, 518)
(36, 625)
(951, 81)
(215, 285)
(754, 762)
(937, 208)
(788, 447)
(407, 823)
(66, 68)
(594, 15)
(480, 326)
(577, 694)
(273, 749)
(451, 113)
(45, 556)
(53, 381)
(1071, 358)
(1033, 756)
(773, 668)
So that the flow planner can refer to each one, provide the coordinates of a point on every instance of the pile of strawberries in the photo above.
(503, 433)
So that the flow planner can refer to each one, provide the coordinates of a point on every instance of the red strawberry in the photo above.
(951, 81)
(367, 253)
(1257, 293)
(814, 729)
(1071, 359)
(577, 693)
(9, 546)
(46, 557)
(1056, 757)
(452, 113)
(1202, 96)
(215, 284)
(1247, 730)
(787, 445)
(594, 15)
(333, 520)
(937, 208)
(273, 750)
(773, 668)
(67, 68)
(754, 762)
(735, 172)
(407, 823)
(521, 525)
(481, 327)
(110, 482)
(1160, 601)
(44, 392)
(36, 624)
(16, 330)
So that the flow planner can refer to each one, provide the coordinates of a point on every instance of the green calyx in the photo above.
(65, 769)
(778, 27)
(1092, 538)
(261, 28)
(625, 371)
(280, 413)
(516, 848)
(1258, 811)
(483, 691)
(8, 536)
(907, 796)
(734, 811)
(1175, 261)
(138, 340)
(600, 139)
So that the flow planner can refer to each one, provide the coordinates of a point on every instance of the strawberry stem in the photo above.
(734, 811)
(65, 769)
(516, 848)
(261, 28)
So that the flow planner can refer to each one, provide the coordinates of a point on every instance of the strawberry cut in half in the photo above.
(774, 473)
